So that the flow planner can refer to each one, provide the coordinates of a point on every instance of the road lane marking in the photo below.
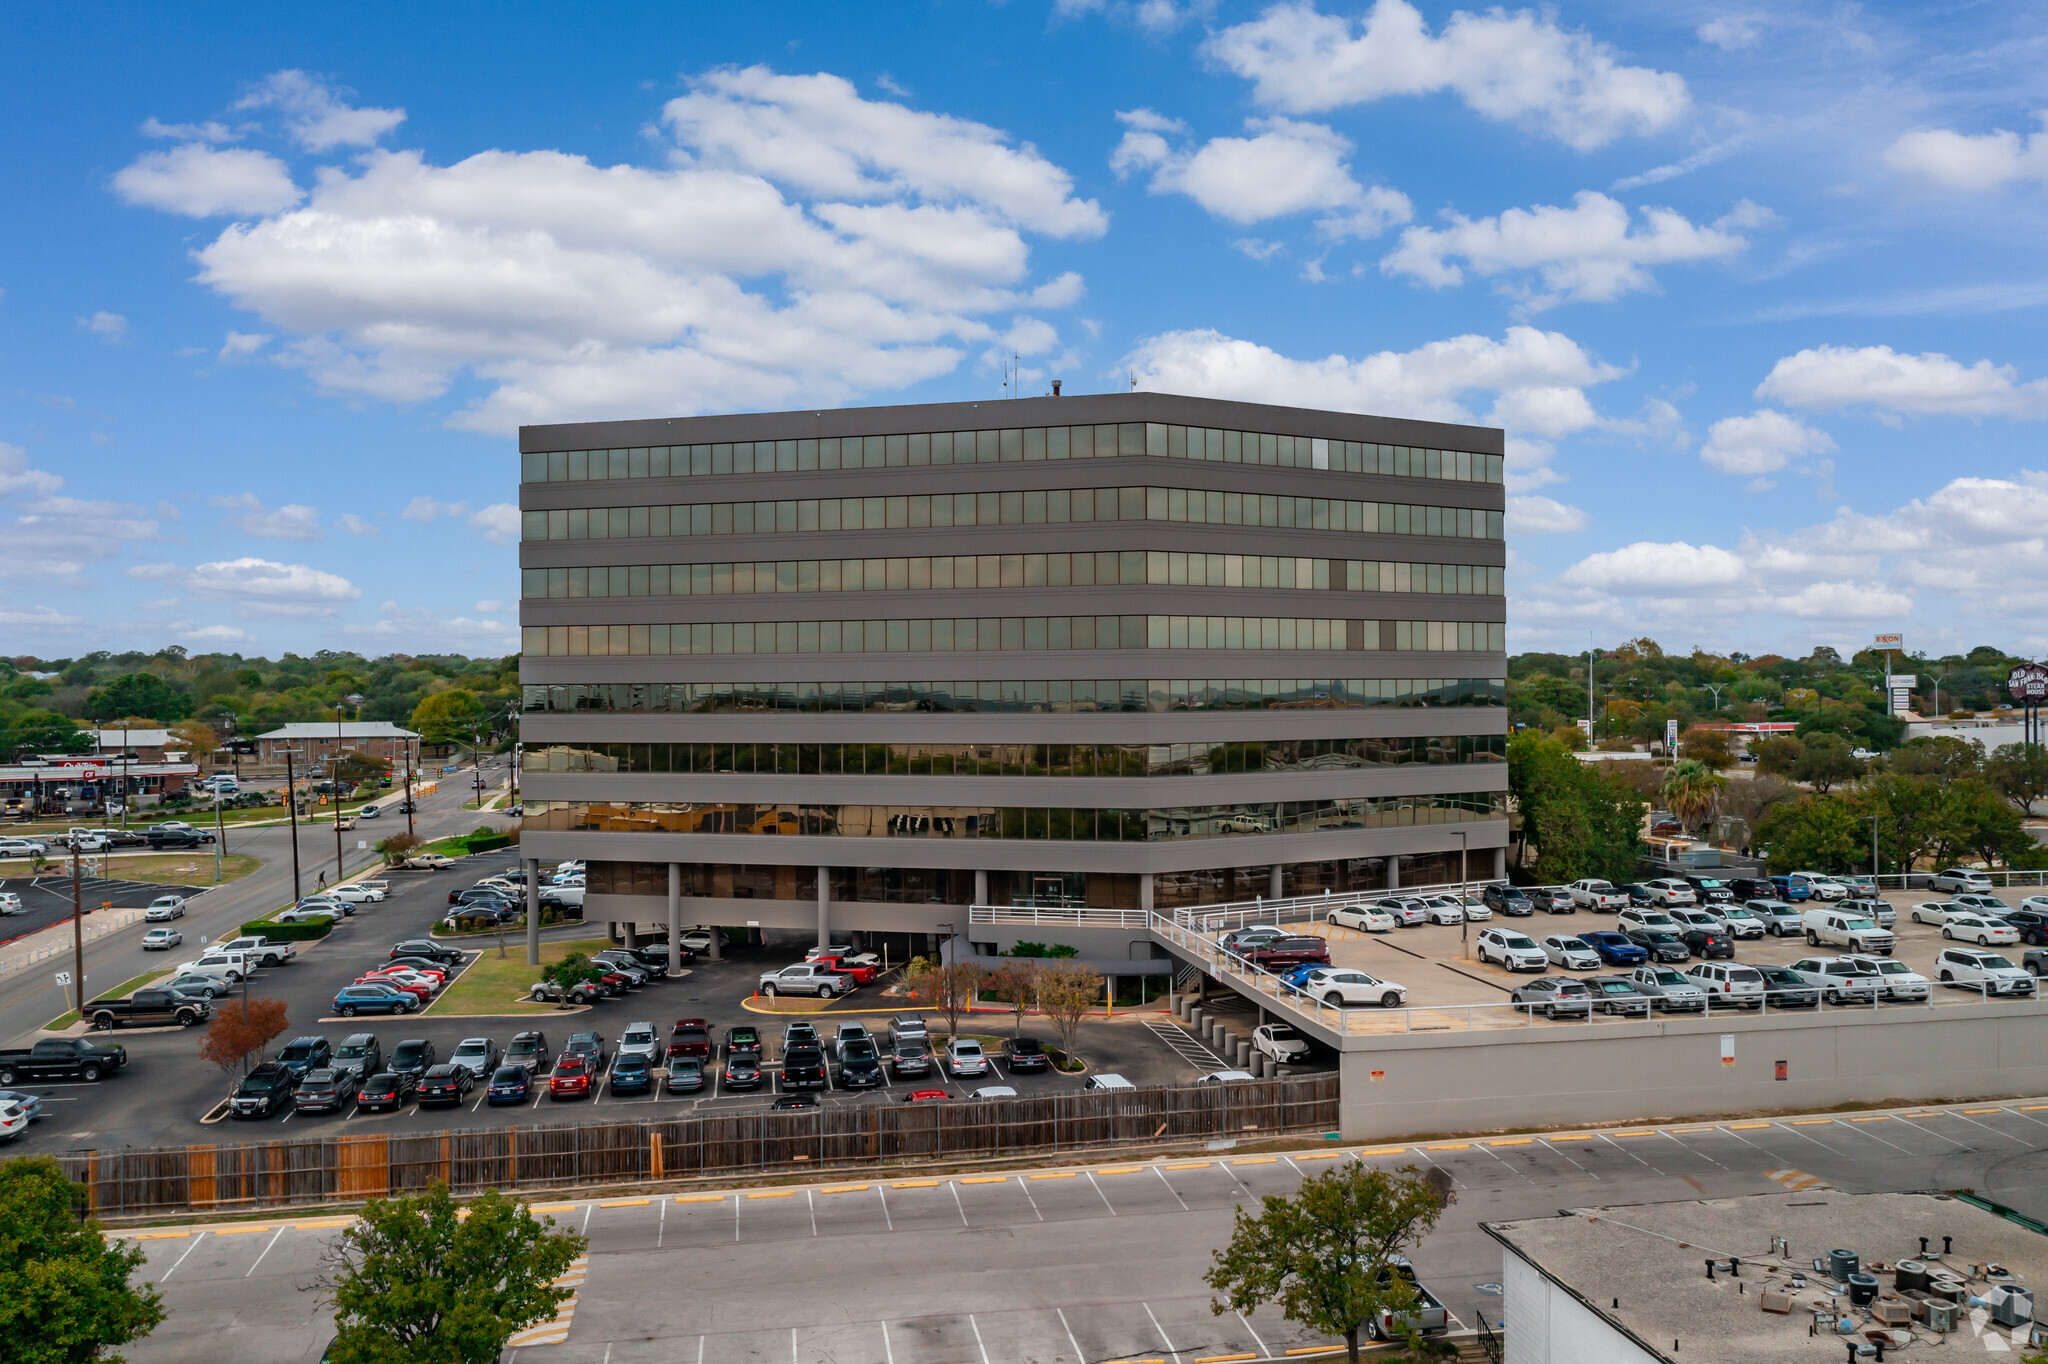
(1061, 1314)
(957, 1203)
(1059, 1174)
(188, 1250)
(1104, 1197)
(266, 1250)
(977, 1338)
(1168, 1340)
(626, 1203)
(702, 1198)
(1024, 1186)
(1513, 1141)
(1170, 1189)
(1256, 1340)
(987, 1179)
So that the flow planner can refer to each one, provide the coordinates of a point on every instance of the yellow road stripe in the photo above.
(1582, 1136)
(1745, 1126)
(1974, 1111)
(774, 1193)
(1386, 1151)
(1450, 1146)
(846, 1188)
(1221, 1359)
(323, 1222)
(160, 1236)
(915, 1184)
(1513, 1141)
(704, 1198)
(1328, 1155)
(1251, 1160)
(1881, 1117)
(987, 1179)
(1646, 1132)
(626, 1203)
(1811, 1122)
(1195, 1165)
(1059, 1174)
(552, 1207)
(2032, 1108)
(1315, 1349)
(240, 1231)
(1121, 1170)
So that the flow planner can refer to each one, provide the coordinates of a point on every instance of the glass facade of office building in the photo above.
(1166, 652)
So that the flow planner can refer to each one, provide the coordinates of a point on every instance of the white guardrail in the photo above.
(1193, 930)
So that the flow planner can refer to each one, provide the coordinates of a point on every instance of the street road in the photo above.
(1058, 1264)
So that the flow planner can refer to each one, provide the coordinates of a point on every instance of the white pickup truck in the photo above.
(262, 951)
(1595, 894)
(1846, 928)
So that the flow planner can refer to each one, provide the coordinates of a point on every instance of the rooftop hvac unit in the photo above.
(1843, 1263)
(2010, 1305)
(1941, 1316)
(1909, 1275)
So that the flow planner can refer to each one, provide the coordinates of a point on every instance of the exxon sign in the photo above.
(2028, 682)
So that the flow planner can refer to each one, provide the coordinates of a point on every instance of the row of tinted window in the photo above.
(944, 572)
(1057, 506)
(1013, 822)
(1031, 633)
(1007, 445)
(1037, 696)
(1020, 760)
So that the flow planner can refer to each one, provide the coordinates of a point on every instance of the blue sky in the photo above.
(1757, 291)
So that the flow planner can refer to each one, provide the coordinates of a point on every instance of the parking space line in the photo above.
(1169, 1185)
(1061, 1314)
(1255, 1336)
(957, 1203)
(1025, 1185)
(1550, 1144)
(1101, 1195)
(888, 1351)
(883, 1194)
(812, 1204)
(1166, 1339)
(977, 1338)
(266, 1250)
(181, 1259)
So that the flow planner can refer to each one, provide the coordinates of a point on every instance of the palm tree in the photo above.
(1689, 789)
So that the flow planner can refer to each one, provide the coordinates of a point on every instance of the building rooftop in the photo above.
(135, 738)
(351, 729)
(1642, 1269)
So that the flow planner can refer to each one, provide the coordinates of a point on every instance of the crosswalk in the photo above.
(1185, 1045)
(556, 1331)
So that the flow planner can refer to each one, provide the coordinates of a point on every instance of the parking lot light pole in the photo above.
(77, 931)
(220, 835)
(1464, 926)
(291, 805)
(1875, 865)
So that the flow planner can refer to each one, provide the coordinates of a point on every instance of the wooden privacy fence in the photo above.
(345, 1167)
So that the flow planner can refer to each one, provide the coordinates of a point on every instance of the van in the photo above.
(1846, 928)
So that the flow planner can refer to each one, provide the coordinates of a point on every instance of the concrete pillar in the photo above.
(1500, 864)
(981, 888)
(1244, 1055)
(824, 906)
(675, 917)
(1273, 882)
(717, 943)
(1145, 892)
(532, 866)
(1195, 1019)
(629, 933)
(1393, 873)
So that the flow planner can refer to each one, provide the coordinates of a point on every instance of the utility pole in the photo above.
(410, 761)
(1590, 651)
(220, 835)
(334, 780)
(291, 805)
(77, 931)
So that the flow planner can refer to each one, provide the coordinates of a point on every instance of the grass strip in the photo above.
(492, 984)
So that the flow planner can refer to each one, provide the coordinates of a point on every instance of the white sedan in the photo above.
(164, 908)
(1573, 954)
(1345, 987)
(1280, 1042)
(307, 916)
(1443, 909)
(357, 894)
(158, 938)
(1936, 911)
(1365, 918)
(1976, 928)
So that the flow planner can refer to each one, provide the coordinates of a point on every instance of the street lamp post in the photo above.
(411, 751)
(1463, 844)
(291, 805)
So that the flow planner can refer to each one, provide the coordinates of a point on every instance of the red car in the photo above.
(411, 987)
(571, 1078)
(692, 1037)
(926, 1096)
(851, 966)
(439, 978)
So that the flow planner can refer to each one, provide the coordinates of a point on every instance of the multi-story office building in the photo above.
(867, 667)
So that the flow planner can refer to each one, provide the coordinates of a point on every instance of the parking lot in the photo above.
(168, 1096)
(1447, 986)
(46, 900)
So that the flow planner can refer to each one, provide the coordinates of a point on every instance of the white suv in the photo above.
(1819, 885)
(1647, 918)
(1987, 971)
(1515, 951)
(1670, 891)
(1730, 983)
(1737, 921)
(1953, 879)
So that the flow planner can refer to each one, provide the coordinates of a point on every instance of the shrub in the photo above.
(1039, 949)
(487, 841)
(276, 932)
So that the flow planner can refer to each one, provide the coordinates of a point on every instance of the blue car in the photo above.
(30, 1104)
(632, 1073)
(1293, 980)
(351, 1000)
(1789, 889)
(1615, 949)
(510, 1085)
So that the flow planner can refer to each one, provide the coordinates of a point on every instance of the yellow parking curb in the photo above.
(915, 1184)
(1059, 1174)
(700, 1198)
(1513, 1141)
(626, 1203)
(987, 1179)
(1451, 1146)
(846, 1188)
(774, 1193)
(1194, 1165)
(1121, 1170)
(240, 1231)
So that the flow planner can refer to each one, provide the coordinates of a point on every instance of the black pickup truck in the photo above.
(147, 1008)
(59, 1058)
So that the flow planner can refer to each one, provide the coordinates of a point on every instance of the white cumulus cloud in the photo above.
(1762, 443)
(1970, 162)
(1829, 378)
(356, 525)
(1284, 167)
(499, 523)
(200, 181)
(1508, 65)
(1533, 515)
(1592, 252)
(425, 509)
(109, 327)
(259, 588)
(316, 115)
(292, 521)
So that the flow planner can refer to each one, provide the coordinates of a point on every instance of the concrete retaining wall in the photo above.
(1669, 1068)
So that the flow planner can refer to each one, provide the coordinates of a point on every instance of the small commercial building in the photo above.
(314, 743)
(1815, 1275)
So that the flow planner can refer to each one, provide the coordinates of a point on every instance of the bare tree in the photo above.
(1067, 991)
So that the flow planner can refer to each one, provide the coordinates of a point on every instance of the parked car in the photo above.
(1878, 911)
(1616, 996)
(426, 947)
(1669, 991)
(1842, 980)
(374, 998)
(1220, 1077)
(509, 1085)
(692, 1037)
(1280, 1042)
(1707, 943)
(911, 1057)
(1786, 888)
(31, 1106)
(1751, 888)
(1954, 879)
(1820, 886)
(1553, 899)
(1555, 996)
(1963, 926)
(446, 1083)
(1598, 895)
(1670, 892)
(1638, 894)
(359, 1054)
(1345, 987)
(1251, 935)
(1661, 943)
(1365, 918)
(477, 1055)
(305, 1054)
(1779, 919)
(1646, 918)
(194, 983)
(743, 1037)
(1987, 972)
(571, 1078)
(742, 1071)
(1785, 988)
(2036, 964)
(588, 1045)
(1897, 981)
(633, 1073)
(1427, 1318)
(1737, 921)
(324, 1090)
(262, 951)
(639, 1039)
(860, 1064)
(582, 992)
(804, 978)
(2032, 922)
(146, 1008)
(307, 916)
(1846, 928)
(1443, 909)
(1573, 954)
(164, 908)
(59, 1058)
(1109, 1081)
(387, 1090)
(1730, 984)
(357, 893)
(1615, 949)
(1508, 900)
(903, 1026)
(797, 1103)
(964, 1056)
(803, 1067)
(1283, 954)
(859, 967)
(1512, 949)
(265, 1090)
(685, 1073)
(1710, 890)
(1028, 1053)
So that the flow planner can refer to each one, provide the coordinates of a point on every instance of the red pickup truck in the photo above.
(860, 968)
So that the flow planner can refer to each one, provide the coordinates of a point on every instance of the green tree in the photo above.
(1689, 789)
(1818, 833)
(1940, 756)
(572, 970)
(413, 1284)
(65, 1295)
(1333, 1256)
(1777, 755)
(1827, 761)
(1580, 821)
(2019, 772)
(39, 731)
(449, 717)
(1708, 746)
(139, 694)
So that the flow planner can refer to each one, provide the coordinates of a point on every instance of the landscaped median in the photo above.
(493, 984)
